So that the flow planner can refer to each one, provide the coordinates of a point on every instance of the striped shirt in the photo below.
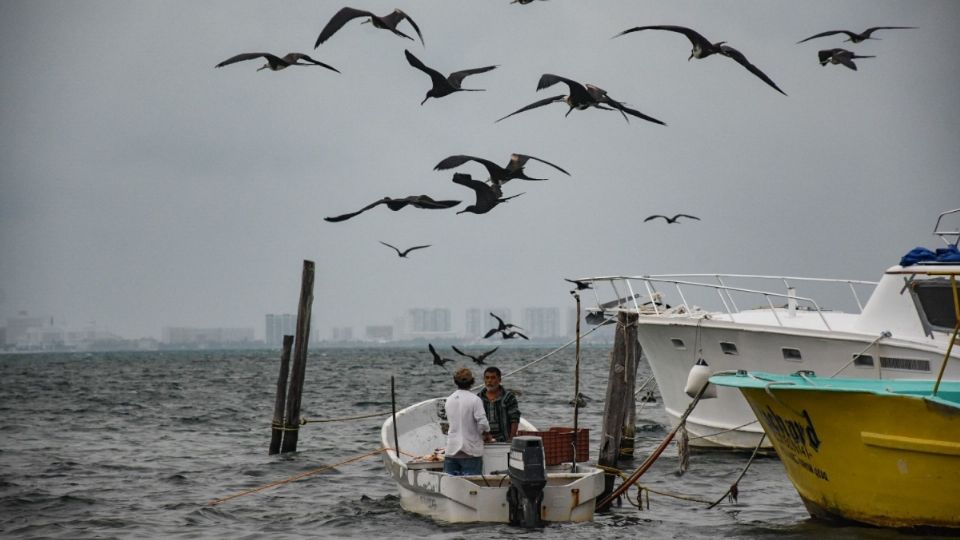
(501, 412)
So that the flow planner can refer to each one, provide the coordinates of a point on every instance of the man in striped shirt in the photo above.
(501, 406)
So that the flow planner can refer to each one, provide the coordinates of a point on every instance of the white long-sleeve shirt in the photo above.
(468, 421)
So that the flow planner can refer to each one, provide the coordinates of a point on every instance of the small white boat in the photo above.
(569, 494)
(894, 334)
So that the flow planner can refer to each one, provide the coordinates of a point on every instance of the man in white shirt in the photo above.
(468, 428)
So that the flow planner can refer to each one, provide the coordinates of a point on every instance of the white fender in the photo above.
(699, 375)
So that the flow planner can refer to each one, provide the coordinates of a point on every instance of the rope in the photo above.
(724, 431)
(342, 419)
(884, 334)
(733, 487)
(296, 477)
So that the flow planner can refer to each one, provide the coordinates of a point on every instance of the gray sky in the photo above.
(140, 187)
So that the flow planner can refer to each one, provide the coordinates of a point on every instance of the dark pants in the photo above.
(462, 466)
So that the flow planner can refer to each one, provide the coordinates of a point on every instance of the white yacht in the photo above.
(900, 332)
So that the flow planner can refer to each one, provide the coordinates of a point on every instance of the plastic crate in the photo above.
(558, 444)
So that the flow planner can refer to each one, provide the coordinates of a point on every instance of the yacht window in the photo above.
(936, 302)
(864, 360)
(678, 344)
(904, 363)
(729, 348)
(791, 354)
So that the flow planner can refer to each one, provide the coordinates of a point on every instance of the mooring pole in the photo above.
(619, 385)
(628, 442)
(298, 371)
(576, 386)
(277, 434)
(393, 405)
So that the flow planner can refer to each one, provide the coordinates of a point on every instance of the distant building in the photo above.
(181, 336)
(341, 333)
(540, 322)
(277, 326)
(428, 323)
(380, 333)
(17, 327)
(478, 321)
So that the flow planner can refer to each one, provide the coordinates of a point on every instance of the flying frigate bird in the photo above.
(840, 56)
(487, 196)
(522, 2)
(498, 175)
(702, 48)
(417, 201)
(855, 37)
(479, 359)
(403, 254)
(581, 97)
(502, 327)
(444, 86)
(581, 285)
(671, 219)
(386, 22)
(276, 63)
(437, 359)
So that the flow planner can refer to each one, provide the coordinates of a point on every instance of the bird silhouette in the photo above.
(702, 48)
(479, 359)
(276, 63)
(855, 37)
(581, 285)
(498, 175)
(487, 196)
(437, 360)
(386, 22)
(444, 86)
(417, 201)
(403, 254)
(671, 219)
(840, 56)
(522, 2)
(512, 334)
(581, 97)
(502, 327)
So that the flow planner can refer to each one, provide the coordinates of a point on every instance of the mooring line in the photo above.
(733, 487)
(296, 477)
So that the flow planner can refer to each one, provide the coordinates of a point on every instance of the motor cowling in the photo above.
(526, 466)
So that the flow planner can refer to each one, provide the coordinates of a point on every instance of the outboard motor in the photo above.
(526, 465)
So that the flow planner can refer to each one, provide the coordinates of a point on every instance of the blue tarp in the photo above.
(949, 254)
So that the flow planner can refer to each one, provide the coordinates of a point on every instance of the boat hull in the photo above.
(874, 457)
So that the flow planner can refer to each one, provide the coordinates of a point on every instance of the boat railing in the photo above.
(644, 295)
(945, 233)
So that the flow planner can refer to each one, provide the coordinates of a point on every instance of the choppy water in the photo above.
(134, 445)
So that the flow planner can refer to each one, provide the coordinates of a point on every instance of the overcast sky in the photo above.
(141, 188)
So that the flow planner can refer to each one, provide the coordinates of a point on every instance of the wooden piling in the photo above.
(576, 388)
(298, 371)
(620, 383)
(628, 442)
(277, 434)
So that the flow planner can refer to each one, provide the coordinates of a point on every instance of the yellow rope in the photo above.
(296, 477)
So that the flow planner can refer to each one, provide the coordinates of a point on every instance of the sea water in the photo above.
(136, 444)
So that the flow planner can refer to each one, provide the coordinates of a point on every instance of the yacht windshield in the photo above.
(936, 301)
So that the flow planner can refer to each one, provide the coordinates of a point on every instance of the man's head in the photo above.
(491, 378)
(463, 378)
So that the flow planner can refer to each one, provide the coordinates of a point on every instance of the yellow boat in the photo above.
(882, 452)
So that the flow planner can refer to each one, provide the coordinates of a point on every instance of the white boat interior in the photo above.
(894, 328)
(569, 495)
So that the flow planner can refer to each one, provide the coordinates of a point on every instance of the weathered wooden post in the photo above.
(576, 387)
(628, 443)
(298, 371)
(620, 383)
(277, 434)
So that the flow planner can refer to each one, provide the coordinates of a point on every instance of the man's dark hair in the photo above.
(492, 369)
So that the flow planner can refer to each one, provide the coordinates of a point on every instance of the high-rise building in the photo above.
(427, 322)
(342, 333)
(540, 322)
(478, 320)
(277, 326)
